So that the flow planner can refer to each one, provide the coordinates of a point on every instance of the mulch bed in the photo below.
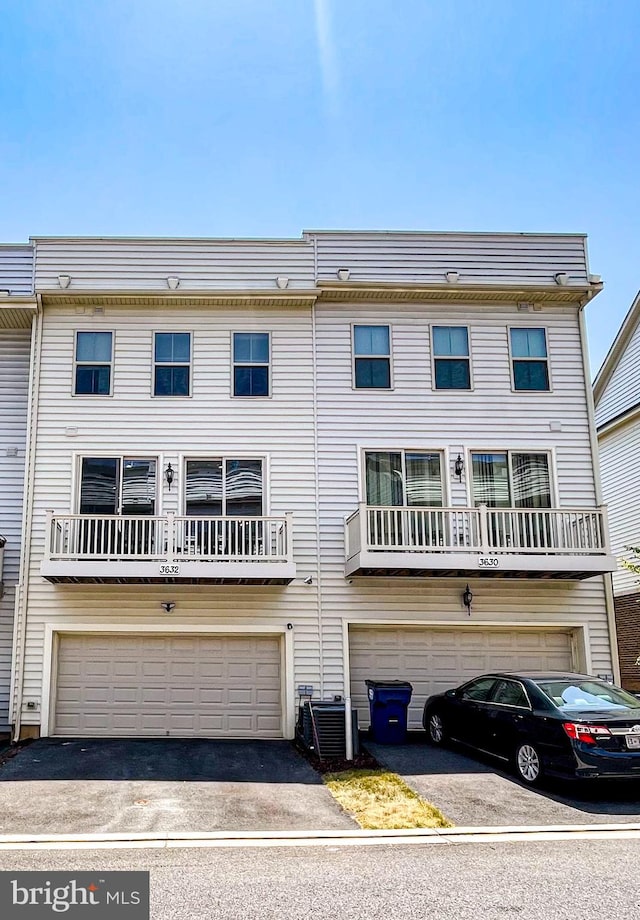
(362, 761)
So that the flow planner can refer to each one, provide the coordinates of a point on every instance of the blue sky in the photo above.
(266, 117)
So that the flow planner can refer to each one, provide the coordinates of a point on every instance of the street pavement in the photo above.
(474, 792)
(581, 880)
(57, 786)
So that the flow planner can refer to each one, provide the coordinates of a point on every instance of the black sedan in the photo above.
(554, 724)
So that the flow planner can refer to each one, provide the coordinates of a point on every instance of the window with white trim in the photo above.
(224, 486)
(403, 478)
(251, 361)
(451, 357)
(511, 479)
(171, 363)
(93, 362)
(372, 357)
(529, 359)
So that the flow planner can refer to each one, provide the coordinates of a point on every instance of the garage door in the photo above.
(434, 660)
(223, 686)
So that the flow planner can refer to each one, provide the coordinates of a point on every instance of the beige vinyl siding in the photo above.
(620, 470)
(14, 380)
(488, 258)
(16, 268)
(622, 391)
(201, 265)
(412, 415)
(209, 422)
(399, 258)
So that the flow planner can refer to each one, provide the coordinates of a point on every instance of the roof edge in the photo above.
(618, 346)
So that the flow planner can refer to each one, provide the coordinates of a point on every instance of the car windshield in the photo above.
(587, 694)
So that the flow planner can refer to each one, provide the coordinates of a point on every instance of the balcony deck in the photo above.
(560, 543)
(85, 549)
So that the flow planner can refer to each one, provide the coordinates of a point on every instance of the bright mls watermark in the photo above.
(34, 895)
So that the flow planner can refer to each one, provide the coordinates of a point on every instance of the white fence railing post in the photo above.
(483, 515)
(48, 544)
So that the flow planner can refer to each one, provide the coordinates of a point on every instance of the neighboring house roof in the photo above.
(616, 390)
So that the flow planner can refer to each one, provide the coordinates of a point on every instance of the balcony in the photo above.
(569, 543)
(97, 549)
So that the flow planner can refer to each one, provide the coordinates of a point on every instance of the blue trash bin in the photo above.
(388, 704)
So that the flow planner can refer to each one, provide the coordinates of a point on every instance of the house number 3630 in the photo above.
(488, 562)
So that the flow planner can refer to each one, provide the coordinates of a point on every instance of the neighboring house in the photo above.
(17, 317)
(263, 468)
(617, 401)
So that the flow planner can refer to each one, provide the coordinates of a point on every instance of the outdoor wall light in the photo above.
(173, 282)
(467, 598)
(64, 280)
(168, 475)
(561, 278)
(458, 467)
(167, 606)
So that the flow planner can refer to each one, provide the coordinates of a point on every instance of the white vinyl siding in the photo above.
(14, 380)
(620, 470)
(169, 686)
(622, 391)
(435, 660)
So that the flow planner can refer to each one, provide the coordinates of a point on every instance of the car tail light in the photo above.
(586, 733)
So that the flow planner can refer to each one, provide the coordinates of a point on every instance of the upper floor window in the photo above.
(251, 363)
(220, 486)
(529, 359)
(451, 358)
(510, 479)
(403, 477)
(171, 363)
(372, 357)
(93, 363)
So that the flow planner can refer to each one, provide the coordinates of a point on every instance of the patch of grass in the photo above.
(380, 800)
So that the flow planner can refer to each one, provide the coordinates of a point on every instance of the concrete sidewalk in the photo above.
(85, 786)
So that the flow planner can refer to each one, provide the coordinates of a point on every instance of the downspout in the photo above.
(22, 592)
(607, 578)
(316, 473)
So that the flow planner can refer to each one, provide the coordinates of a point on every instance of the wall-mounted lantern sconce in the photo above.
(458, 467)
(167, 606)
(168, 475)
(467, 598)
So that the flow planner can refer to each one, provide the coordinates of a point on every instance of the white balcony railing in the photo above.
(167, 539)
(495, 531)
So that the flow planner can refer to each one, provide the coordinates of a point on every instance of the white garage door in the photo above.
(433, 660)
(222, 686)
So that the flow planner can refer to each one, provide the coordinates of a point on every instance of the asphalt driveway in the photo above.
(476, 793)
(106, 786)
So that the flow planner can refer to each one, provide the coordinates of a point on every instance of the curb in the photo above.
(231, 839)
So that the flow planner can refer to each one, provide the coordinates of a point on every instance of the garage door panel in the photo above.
(224, 686)
(434, 660)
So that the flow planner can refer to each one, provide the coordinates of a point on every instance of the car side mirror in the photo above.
(451, 693)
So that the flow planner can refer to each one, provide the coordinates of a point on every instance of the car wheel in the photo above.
(435, 729)
(528, 763)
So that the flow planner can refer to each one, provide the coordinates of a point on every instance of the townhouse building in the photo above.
(17, 326)
(617, 403)
(263, 469)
